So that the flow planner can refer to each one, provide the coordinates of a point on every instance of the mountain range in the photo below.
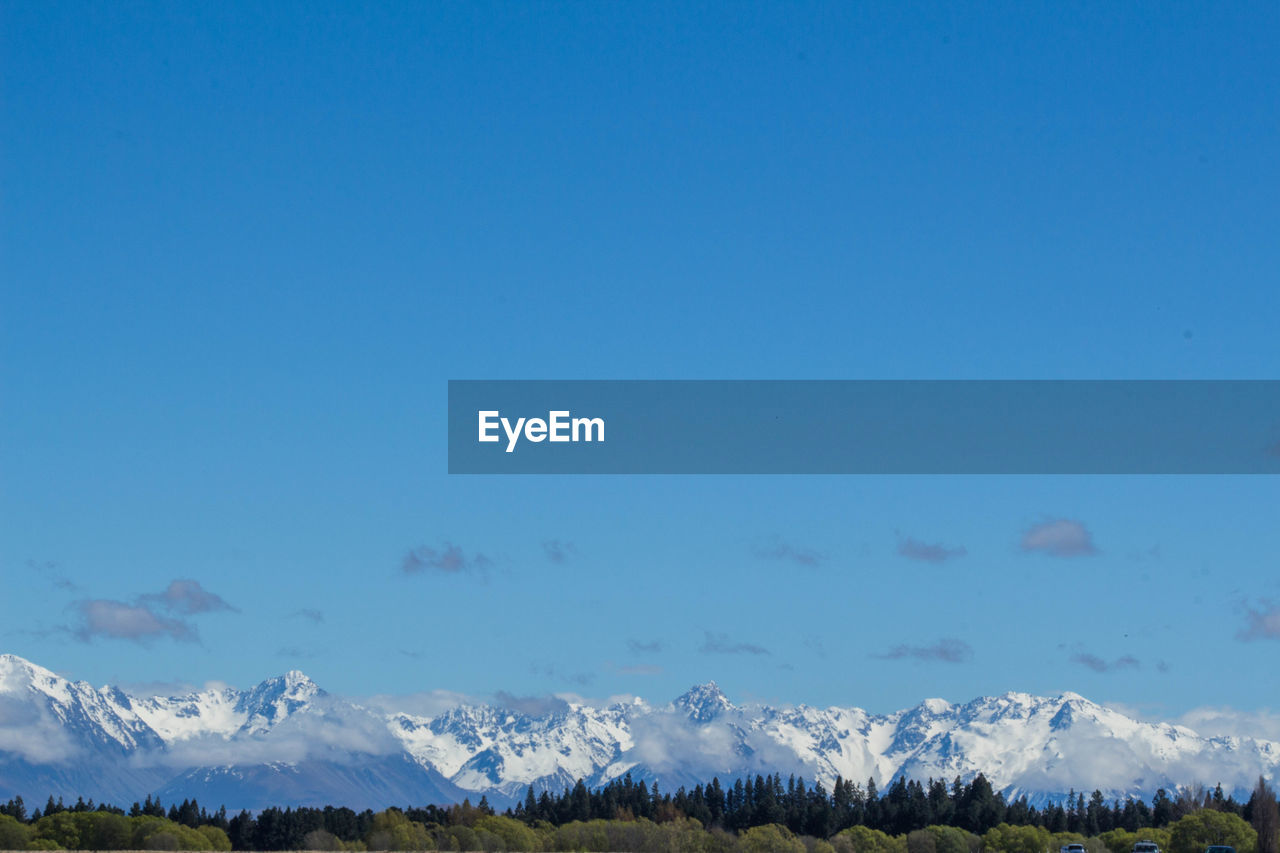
(286, 741)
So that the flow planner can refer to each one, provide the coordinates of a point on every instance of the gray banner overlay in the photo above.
(865, 427)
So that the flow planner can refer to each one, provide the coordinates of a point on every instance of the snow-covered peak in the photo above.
(703, 702)
(276, 699)
(95, 719)
(18, 674)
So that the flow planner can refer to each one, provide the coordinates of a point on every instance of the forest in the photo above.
(756, 815)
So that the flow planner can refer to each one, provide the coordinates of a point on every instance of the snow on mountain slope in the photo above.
(287, 738)
(482, 748)
(178, 718)
(227, 712)
(87, 718)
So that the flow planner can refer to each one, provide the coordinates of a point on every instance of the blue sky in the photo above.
(245, 248)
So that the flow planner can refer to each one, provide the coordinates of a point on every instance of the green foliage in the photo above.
(1017, 839)
(817, 845)
(1062, 839)
(514, 834)
(860, 839)
(1196, 831)
(321, 839)
(1122, 841)
(158, 833)
(953, 839)
(14, 835)
(921, 841)
(61, 828)
(104, 831)
(639, 836)
(393, 831)
(770, 838)
(216, 837)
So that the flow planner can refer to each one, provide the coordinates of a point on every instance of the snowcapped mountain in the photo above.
(286, 741)
(703, 703)
(228, 712)
(501, 752)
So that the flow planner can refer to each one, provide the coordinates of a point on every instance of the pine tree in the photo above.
(1161, 808)
(530, 806)
(1265, 816)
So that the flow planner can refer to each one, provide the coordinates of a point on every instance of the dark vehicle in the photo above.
(1146, 847)
(1220, 848)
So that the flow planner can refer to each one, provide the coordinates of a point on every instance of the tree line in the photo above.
(904, 806)
(754, 815)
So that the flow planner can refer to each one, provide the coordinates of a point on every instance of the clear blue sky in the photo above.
(245, 247)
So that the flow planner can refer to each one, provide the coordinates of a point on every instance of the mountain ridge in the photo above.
(287, 741)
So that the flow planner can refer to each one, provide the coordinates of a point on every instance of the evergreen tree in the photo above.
(530, 806)
(1093, 814)
(1161, 809)
(1264, 815)
(715, 801)
(15, 809)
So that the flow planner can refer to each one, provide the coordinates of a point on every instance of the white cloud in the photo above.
(118, 620)
(1059, 537)
(31, 732)
(1263, 622)
(429, 703)
(928, 552)
(329, 730)
(1223, 721)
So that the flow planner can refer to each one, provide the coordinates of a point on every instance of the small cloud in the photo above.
(1093, 662)
(308, 613)
(172, 687)
(946, 650)
(1263, 622)
(120, 621)
(914, 549)
(558, 551)
(639, 669)
(187, 597)
(449, 560)
(296, 653)
(786, 552)
(427, 704)
(150, 616)
(645, 648)
(50, 571)
(531, 706)
(578, 679)
(720, 644)
(1060, 537)
(1097, 664)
